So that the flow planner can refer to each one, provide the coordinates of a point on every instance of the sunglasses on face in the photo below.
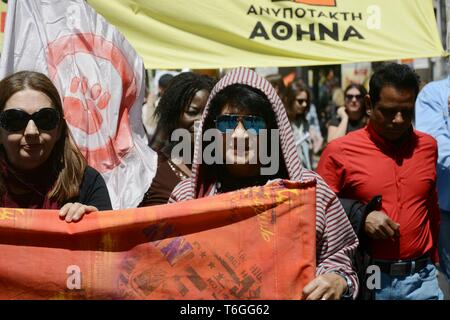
(392, 113)
(230, 122)
(17, 120)
(351, 96)
(301, 101)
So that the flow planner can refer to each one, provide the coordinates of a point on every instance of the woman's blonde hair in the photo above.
(67, 159)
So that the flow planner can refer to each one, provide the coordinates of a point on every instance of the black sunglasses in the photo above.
(301, 101)
(17, 120)
(351, 96)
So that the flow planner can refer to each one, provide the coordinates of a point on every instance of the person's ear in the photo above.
(369, 105)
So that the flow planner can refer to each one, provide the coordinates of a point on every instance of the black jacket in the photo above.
(93, 190)
(357, 212)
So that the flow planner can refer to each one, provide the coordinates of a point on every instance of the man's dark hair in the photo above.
(179, 94)
(399, 76)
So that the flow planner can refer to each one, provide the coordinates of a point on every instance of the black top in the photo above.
(163, 183)
(93, 190)
(352, 124)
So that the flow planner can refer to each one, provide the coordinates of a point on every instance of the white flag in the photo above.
(101, 80)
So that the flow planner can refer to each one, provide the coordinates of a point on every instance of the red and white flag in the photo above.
(101, 80)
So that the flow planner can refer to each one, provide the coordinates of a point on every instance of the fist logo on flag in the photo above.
(97, 116)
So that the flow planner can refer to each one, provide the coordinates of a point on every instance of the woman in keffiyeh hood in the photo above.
(240, 106)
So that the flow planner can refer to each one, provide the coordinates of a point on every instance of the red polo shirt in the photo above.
(362, 164)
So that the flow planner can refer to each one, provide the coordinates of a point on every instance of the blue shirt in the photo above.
(432, 117)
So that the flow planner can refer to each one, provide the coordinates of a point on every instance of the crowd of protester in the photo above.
(382, 192)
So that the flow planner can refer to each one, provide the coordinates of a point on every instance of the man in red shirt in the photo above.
(391, 159)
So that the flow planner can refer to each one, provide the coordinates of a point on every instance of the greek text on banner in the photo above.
(257, 33)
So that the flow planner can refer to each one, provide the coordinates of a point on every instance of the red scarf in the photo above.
(37, 182)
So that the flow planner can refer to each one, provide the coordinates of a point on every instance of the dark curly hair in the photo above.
(179, 94)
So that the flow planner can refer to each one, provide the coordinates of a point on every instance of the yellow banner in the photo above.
(258, 33)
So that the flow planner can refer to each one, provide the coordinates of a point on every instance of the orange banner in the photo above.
(257, 243)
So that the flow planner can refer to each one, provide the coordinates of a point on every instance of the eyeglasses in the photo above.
(301, 101)
(230, 122)
(16, 119)
(391, 113)
(351, 96)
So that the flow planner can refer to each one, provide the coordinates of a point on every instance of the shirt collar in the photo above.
(388, 146)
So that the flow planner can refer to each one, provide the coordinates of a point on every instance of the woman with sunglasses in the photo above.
(179, 108)
(350, 117)
(40, 167)
(241, 106)
(307, 138)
